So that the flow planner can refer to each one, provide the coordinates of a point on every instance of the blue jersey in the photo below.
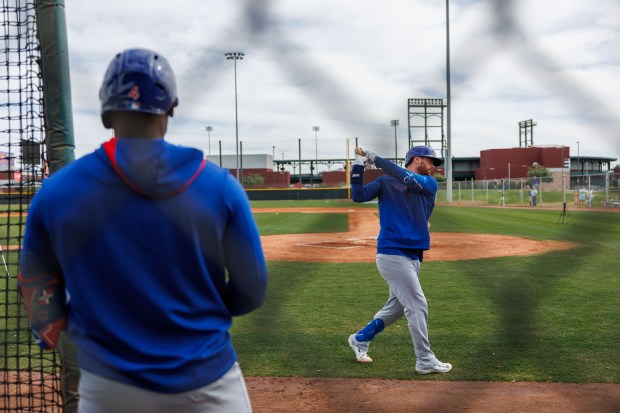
(406, 202)
(158, 250)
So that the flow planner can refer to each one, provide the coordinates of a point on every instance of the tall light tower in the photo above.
(234, 56)
(448, 159)
(209, 130)
(395, 124)
(316, 143)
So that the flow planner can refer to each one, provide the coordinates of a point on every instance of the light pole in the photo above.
(273, 155)
(234, 56)
(579, 160)
(209, 130)
(316, 143)
(564, 166)
(395, 124)
(508, 176)
(448, 159)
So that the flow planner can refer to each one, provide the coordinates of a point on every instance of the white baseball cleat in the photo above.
(360, 349)
(439, 367)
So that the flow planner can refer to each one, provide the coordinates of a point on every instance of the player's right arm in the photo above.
(40, 282)
(44, 300)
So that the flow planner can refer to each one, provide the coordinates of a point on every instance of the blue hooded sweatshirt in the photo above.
(158, 250)
(406, 202)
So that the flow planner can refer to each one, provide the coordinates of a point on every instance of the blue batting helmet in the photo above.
(425, 151)
(138, 80)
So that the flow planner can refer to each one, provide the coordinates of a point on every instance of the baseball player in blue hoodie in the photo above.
(406, 201)
(145, 252)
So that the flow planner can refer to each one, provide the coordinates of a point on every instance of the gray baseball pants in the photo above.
(406, 298)
(226, 395)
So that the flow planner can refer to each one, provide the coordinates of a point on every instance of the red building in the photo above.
(515, 162)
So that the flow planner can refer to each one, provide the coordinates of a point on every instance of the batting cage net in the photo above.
(30, 379)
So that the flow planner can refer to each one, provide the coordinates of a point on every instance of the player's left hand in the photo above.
(370, 155)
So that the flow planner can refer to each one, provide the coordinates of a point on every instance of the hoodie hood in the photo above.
(153, 167)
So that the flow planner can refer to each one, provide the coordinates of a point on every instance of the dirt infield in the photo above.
(359, 244)
(340, 395)
(311, 395)
(317, 395)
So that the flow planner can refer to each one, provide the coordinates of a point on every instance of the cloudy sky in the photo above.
(349, 67)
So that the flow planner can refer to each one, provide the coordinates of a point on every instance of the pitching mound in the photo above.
(360, 244)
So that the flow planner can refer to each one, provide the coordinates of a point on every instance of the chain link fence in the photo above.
(593, 190)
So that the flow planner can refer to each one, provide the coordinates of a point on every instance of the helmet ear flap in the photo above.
(105, 119)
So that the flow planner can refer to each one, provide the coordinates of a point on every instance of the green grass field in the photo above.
(295, 223)
(547, 317)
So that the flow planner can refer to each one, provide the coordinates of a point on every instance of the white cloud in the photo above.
(350, 66)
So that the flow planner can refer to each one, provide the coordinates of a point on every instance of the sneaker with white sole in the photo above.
(360, 349)
(438, 367)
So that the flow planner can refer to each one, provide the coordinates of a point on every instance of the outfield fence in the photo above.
(597, 190)
(297, 194)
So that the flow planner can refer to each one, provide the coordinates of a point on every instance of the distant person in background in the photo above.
(576, 198)
(528, 190)
(534, 195)
(590, 197)
(582, 196)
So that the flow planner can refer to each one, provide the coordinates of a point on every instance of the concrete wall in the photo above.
(271, 179)
(261, 161)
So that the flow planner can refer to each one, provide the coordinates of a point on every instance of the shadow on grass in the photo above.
(544, 315)
(549, 310)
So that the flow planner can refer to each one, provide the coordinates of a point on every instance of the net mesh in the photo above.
(30, 380)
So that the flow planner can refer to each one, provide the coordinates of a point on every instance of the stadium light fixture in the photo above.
(234, 56)
(209, 130)
(395, 124)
